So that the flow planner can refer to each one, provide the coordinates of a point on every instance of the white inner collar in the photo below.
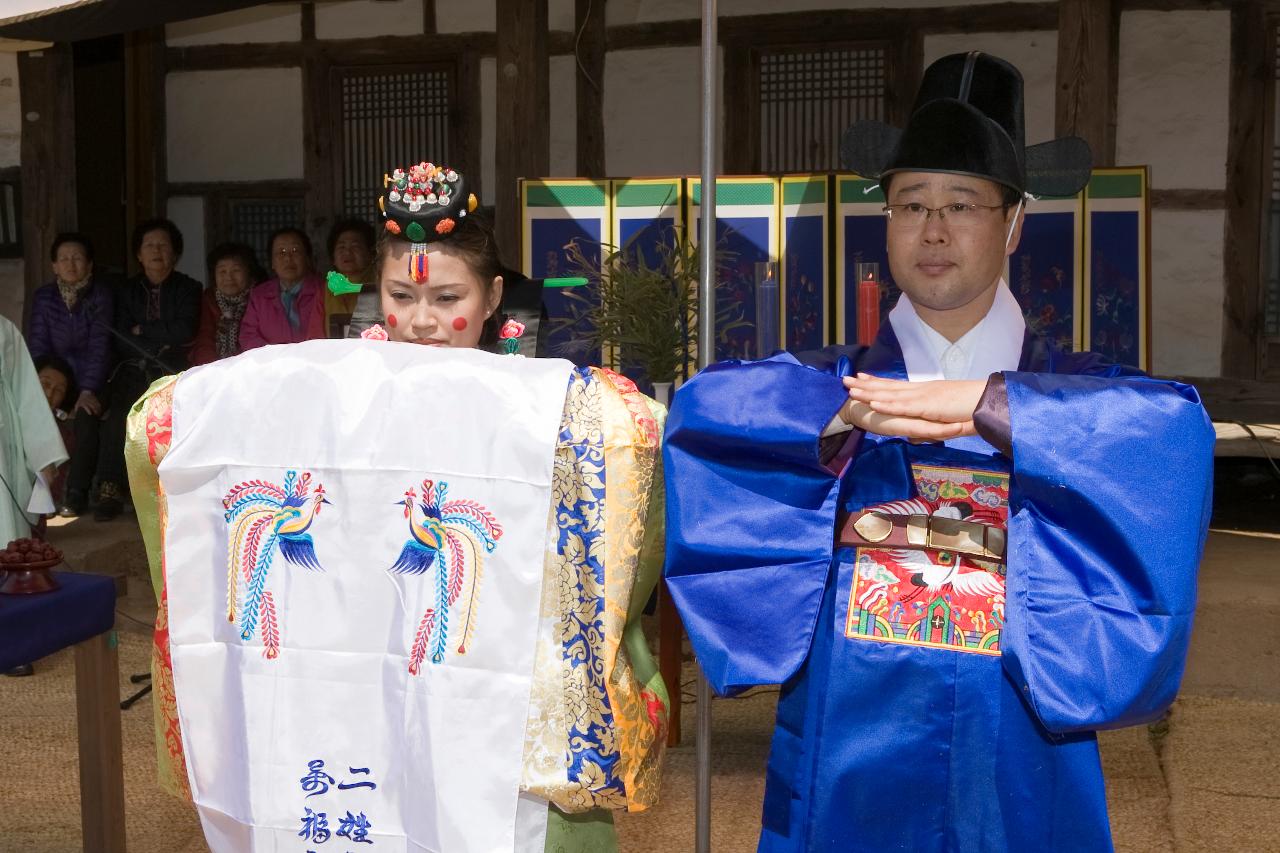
(993, 345)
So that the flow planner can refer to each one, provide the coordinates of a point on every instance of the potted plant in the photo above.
(641, 312)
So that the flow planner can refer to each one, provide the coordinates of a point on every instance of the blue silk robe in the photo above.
(921, 720)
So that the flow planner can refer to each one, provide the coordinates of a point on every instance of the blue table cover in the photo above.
(34, 626)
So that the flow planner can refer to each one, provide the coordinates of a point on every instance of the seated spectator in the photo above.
(351, 246)
(71, 319)
(290, 307)
(233, 271)
(58, 382)
(157, 314)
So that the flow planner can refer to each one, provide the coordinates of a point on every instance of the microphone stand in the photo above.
(128, 342)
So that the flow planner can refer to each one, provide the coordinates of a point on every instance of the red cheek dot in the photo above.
(391, 320)
(459, 324)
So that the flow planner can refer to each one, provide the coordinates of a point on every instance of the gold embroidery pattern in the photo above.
(587, 702)
(148, 440)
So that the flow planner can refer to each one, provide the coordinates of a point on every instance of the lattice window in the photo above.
(390, 118)
(254, 219)
(808, 98)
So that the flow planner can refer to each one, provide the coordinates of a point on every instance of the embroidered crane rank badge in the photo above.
(929, 596)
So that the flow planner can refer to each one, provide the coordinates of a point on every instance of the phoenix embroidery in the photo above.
(450, 540)
(265, 518)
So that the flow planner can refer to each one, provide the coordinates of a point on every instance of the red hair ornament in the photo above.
(419, 266)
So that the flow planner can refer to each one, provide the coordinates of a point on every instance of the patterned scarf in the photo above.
(231, 310)
(153, 299)
(289, 298)
(71, 291)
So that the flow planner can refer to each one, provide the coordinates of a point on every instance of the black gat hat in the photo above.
(968, 120)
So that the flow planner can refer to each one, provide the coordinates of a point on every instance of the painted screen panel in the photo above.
(1117, 292)
(555, 213)
(746, 235)
(806, 262)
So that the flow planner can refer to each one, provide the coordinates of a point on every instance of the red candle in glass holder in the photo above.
(868, 305)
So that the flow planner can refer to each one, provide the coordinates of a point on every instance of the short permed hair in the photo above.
(81, 240)
(358, 226)
(158, 223)
(291, 231)
(237, 252)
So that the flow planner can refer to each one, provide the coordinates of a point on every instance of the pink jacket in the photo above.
(265, 321)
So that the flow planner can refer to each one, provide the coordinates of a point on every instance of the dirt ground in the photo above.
(1203, 780)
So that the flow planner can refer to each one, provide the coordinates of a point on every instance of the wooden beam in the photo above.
(47, 155)
(320, 204)
(215, 57)
(683, 33)
(589, 18)
(906, 67)
(841, 24)
(100, 739)
(240, 189)
(776, 28)
(740, 148)
(1248, 179)
(429, 26)
(466, 119)
(1188, 199)
(145, 134)
(1175, 5)
(1245, 400)
(375, 50)
(1088, 36)
(524, 96)
(409, 50)
(308, 22)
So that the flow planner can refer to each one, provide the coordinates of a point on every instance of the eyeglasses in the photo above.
(290, 252)
(959, 215)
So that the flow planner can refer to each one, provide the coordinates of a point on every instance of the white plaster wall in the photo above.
(653, 112)
(560, 13)
(267, 23)
(564, 116)
(366, 18)
(466, 16)
(470, 16)
(1172, 99)
(1035, 54)
(488, 127)
(187, 212)
(638, 11)
(1186, 292)
(239, 125)
(10, 111)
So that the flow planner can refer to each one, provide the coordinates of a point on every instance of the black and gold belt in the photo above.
(922, 532)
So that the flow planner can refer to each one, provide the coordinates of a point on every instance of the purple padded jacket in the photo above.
(81, 336)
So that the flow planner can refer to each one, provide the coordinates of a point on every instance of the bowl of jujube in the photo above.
(26, 564)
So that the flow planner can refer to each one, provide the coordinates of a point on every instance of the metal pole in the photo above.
(706, 355)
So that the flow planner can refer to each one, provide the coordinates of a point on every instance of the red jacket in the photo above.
(205, 348)
(265, 321)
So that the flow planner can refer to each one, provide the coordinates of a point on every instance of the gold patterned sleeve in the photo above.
(147, 440)
(637, 691)
(597, 721)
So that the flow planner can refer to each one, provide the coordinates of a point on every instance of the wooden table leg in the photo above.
(101, 755)
(670, 658)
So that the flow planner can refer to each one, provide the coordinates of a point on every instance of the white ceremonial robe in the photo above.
(29, 437)
(293, 702)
